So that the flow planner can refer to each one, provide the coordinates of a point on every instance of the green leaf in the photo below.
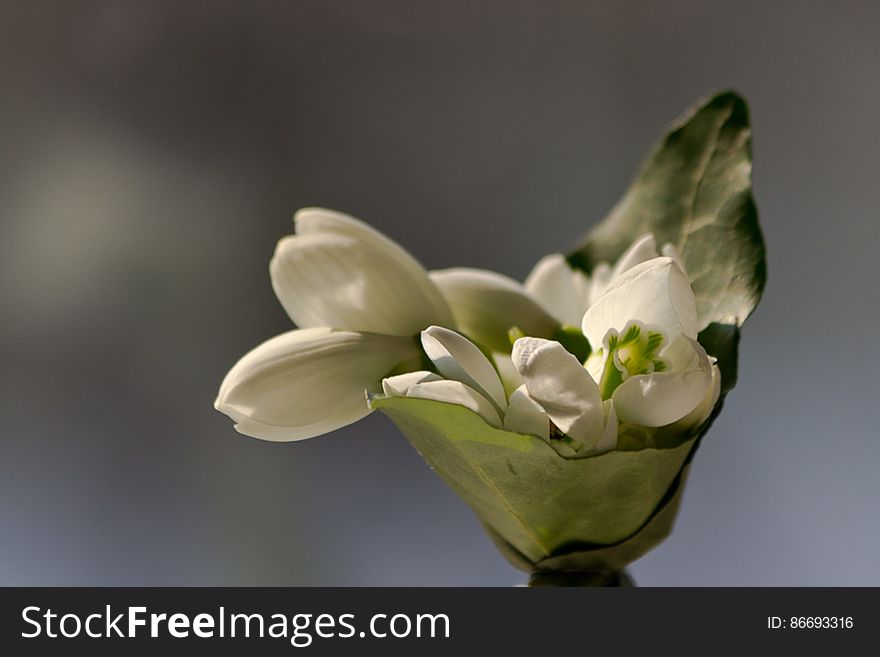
(694, 191)
(536, 504)
(599, 561)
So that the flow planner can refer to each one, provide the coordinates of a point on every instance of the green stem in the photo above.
(621, 579)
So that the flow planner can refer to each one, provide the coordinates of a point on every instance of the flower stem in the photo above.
(620, 579)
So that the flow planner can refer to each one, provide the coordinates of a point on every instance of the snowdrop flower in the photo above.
(358, 299)
(646, 355)
(646, 369)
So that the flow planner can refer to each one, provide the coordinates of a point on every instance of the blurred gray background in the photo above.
(151, 154)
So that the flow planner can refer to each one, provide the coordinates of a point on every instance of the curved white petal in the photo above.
(307, 382)
(641, 250)
(398, 385)
(525, 415)
(703, 410)
(486, 305)
(562, 290)
(337, 271)
(564, 389)
(608, 441)
(510, 378)
(456, 392)
(654, 400)
(655, 292)
(459, 359)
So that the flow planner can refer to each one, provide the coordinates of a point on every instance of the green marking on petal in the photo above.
(655, 342)
(632, 332)
(660, 365)
(634, 351)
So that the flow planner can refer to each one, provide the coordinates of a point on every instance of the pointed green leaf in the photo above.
(604, 561)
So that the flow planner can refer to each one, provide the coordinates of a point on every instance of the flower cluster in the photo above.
(587, 363)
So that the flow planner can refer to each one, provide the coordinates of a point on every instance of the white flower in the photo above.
(358, 299)
(646, 357)
(646, 368)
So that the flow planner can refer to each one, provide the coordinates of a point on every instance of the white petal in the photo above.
(703, 410)
(397, 386)
(307, 382)
(524, 415)
(456, 392)
(559, 383)
(641, 250)
(655, 292)
(510, 378)
(608, 441)
(457, 358)
(337, 271)
(559, 288)
(486, 305)
(654, 400)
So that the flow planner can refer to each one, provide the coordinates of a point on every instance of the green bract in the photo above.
(537, 505)
(584, 519)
